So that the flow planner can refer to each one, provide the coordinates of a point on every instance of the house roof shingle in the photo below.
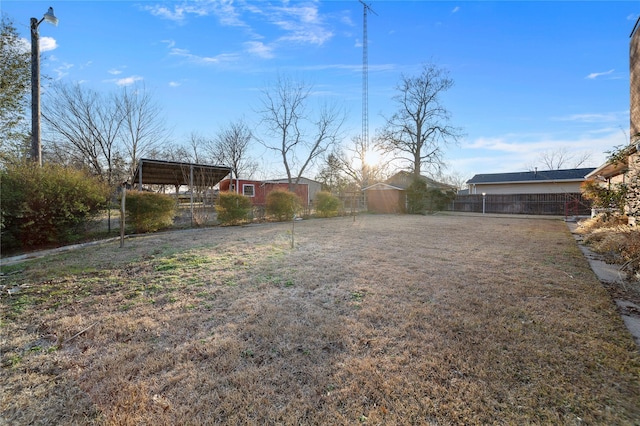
(532, 176)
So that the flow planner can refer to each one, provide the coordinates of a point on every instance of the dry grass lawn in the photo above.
(383, 320)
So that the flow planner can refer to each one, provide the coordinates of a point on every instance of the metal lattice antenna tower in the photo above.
(365, 76)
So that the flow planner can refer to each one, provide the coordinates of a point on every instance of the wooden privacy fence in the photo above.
(568, 204)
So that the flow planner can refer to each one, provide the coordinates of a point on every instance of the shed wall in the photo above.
(384, 201)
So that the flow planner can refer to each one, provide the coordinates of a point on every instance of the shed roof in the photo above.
(383, 186)
(159, 172)
(302, 180)
(403, 179)
(532, 177)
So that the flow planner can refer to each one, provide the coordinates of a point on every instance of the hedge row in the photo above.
(45, 205)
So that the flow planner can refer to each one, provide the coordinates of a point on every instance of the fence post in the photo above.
(122, 214)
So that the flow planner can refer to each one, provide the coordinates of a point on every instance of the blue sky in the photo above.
(530, 76)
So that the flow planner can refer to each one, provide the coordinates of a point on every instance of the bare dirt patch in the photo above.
(381, 320)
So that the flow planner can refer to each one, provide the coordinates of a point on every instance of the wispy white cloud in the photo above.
(170, 43)
(455, 9)
(114, 71)
(174, 84)
(47, 44)
(127, 81)
(515, 152)
(228, 14)
(165, 12)
(526, 144)
(204, 60)
(607, 117)
(178, 13)
(62, 70)
(225, 10)
(297, 22)
(595, 75)
(259, 49)
(302, 23)
(349, 67)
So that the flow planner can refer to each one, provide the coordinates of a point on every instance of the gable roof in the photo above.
(532, 177)
(403, 179)
(383, 186)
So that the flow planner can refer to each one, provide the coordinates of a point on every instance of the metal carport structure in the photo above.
(159, 172)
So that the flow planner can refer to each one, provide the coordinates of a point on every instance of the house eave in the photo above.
(527, 182)
(609, 169)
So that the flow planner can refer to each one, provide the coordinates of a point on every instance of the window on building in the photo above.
(248, 190)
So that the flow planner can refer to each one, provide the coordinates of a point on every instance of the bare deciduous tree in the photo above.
(556, 159)
(299, 137)
(86, 128)
(107, 133)
(420, 128)
(143, 126)
(231, 148)
(197, 145)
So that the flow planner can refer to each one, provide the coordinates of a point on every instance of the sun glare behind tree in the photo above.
(373, 158)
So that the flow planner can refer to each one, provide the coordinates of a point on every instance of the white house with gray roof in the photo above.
(532, 182)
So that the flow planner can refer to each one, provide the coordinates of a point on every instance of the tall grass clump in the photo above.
(149, 211)
(232, 208)
(47, 205)
(282, 205)
(327, 205)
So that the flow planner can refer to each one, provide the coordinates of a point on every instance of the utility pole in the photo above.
(36, 144)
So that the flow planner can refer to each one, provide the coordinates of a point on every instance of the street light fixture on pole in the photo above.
(484, 199)
(36, 145)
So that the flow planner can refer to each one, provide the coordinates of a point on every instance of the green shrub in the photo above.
(149, 211)
(421, 200)
(327, 205)
(232, 208)
(438, 200)
(282, 205)
(417, 197)
(47, 205)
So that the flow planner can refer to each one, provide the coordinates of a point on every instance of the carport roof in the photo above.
(159, 172)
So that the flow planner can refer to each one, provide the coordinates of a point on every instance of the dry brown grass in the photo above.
(382, 320)
(619, 243)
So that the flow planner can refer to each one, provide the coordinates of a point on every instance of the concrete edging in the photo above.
(608, 273)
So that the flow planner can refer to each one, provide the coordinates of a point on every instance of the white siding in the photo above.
(527, 188)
